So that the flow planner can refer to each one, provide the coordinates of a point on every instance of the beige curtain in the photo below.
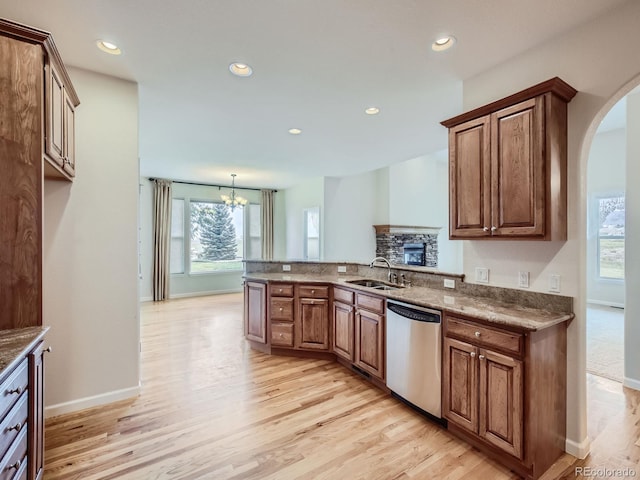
(161, 239)
(267, 224)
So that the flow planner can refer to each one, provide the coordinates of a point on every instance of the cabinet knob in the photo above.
(17, 427)
(279, 290)
(493, 229)
(281, 309)
(481, 357)
(472, 354)
(281, 335)
(17, 391)
(15, 465)
(48, 349)
(477, 334)
(486, 229)
(313, 292)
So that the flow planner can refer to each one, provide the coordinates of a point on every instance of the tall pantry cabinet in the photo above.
(37, 114)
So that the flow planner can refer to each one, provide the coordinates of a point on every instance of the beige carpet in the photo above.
(605, 342)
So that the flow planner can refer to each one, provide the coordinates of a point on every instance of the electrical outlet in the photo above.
(286, 268)
(523, 279)
(482, 275)
(554, 283)
(342, 269)
(449, 283)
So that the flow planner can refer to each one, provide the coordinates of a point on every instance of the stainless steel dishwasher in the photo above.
(414, 356)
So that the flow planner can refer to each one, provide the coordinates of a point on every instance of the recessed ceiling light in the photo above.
(443, 43)
(108, 47)
(295, 131)
(240, 69)
(372, 111)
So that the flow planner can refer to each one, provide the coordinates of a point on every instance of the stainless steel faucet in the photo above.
(382, 259)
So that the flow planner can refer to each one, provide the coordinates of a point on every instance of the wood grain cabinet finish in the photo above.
(312, 318)
(507, 166)
(507, 399)
(255, 312)
(369, 334)
(343, 324)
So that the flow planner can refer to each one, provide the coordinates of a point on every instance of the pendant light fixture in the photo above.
(233, 200)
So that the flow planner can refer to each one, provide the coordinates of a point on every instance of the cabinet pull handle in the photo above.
(485, 229)
(17, 427)
(17, 391)
(477, 334)
(472, 354)
(481, 357)
(15, 465)
(493, 229)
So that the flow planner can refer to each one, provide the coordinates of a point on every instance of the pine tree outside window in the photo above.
(216, 237)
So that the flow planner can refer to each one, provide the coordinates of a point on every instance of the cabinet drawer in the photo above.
(344, 296)
(373, 304)
(480, 335)
(313, 291)
(15, 458)
(281, 290)
(281, 308)
(13, 424)
(282, 334)
(12, 387)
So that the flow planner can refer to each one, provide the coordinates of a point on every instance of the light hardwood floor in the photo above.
(212, 408)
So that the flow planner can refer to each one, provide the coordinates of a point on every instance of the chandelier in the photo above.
(233, 200)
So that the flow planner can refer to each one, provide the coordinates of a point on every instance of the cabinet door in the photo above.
(518, 170)
(460, 384)
(369, 347)
(312, 330)
(343, 319)
(36, 414)
(501, 407)
(470, 179)
(69, 161)
(255, 314)
(55, 106)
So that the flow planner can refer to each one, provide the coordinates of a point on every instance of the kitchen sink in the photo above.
(375, 284)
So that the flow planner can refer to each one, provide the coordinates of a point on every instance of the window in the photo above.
(611, 218)
(176, 255)
(216, 237)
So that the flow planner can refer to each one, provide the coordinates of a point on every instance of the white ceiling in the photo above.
(317, 66)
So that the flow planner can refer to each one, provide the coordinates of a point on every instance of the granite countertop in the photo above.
(15, 344)
(490, 310)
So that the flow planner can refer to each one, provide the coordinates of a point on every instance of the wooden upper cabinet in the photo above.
(507, 166)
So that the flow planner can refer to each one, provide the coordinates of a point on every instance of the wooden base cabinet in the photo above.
(255, 313)
(369, 334)
(343, 323)
(312, 319)
(505, 391)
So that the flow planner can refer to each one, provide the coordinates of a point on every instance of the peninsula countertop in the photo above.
(15, 344)
(451, 301)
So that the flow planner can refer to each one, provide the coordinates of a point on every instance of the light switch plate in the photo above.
(482, 275)
(286, 268)
(554, 283)
(523, 279)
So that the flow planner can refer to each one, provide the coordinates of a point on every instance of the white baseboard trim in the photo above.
(88, 402)
(631, 383)
(579, 450)
(605, 303)
(204, 294)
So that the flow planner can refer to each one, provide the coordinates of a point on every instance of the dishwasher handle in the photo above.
(417, 314)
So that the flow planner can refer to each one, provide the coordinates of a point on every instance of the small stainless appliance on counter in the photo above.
(414, 356)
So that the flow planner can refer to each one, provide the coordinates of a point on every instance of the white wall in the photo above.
(605, 176)
(632, 246)
(419, 195)
(353, 205)
(599, 72)
(307, 194)
(90, 253)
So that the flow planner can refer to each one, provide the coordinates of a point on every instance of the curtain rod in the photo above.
(215, 185)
